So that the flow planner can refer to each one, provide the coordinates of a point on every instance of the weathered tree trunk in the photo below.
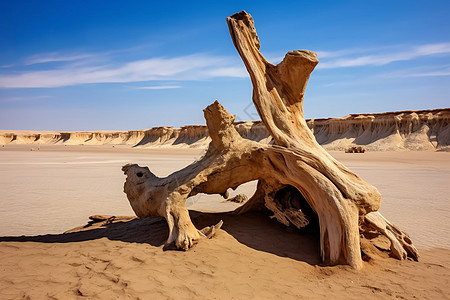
(295, 174)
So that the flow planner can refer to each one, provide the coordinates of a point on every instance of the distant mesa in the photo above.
(423, 130)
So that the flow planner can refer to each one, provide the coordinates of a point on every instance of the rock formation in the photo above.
(297, 179)
(355, 149)
(403, 130)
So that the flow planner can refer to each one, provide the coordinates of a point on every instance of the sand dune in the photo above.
(252, 257)
(407, 130)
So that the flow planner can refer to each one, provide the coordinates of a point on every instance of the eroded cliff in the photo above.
(391, 131)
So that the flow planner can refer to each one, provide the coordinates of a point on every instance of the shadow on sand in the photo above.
(254, 230)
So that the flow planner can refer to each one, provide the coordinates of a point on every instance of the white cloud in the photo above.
(339, 53)
(419, 72)
(228, 72)
(275, 59)
(16, 99)
(75, 69)
(190, 67)
(431, 74)
(54, 57)
(379, 59)
(158, 87)
(432, 49)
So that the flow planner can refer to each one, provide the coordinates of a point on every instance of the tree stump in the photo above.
(297, 179)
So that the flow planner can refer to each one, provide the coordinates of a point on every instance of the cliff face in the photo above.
(405, 130)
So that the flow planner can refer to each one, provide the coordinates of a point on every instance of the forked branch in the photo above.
(297, 177)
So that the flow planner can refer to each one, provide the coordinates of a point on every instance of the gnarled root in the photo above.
(183, 233)
(211, 231)
(288, 185)
(401, 244)
(181, 230)
(150, 195)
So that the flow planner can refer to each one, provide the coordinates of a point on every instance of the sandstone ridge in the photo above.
(391, 131)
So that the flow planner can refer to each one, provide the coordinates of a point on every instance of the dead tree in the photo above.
(298, 179)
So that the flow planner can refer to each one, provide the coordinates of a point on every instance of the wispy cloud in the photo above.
(419, 72)
(340, 53)
(189, 67)
(379, 59)
(275, 59)
(6, 66)
(227, 72)
(31, 98)
(85, 68)
(158, 87)
(54, 57)
(431, 74)
(431, 49)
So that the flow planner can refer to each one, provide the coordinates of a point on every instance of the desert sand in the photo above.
(55, 188)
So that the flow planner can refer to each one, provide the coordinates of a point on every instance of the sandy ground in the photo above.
(58, 187)
(252, 257)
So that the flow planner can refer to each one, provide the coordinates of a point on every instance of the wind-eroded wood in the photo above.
(298, 180)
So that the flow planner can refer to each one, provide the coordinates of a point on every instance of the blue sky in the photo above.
(125, 65)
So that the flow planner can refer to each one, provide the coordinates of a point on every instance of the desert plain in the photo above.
(49, 191)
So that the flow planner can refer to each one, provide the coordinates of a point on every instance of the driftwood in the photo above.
(298, 180)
